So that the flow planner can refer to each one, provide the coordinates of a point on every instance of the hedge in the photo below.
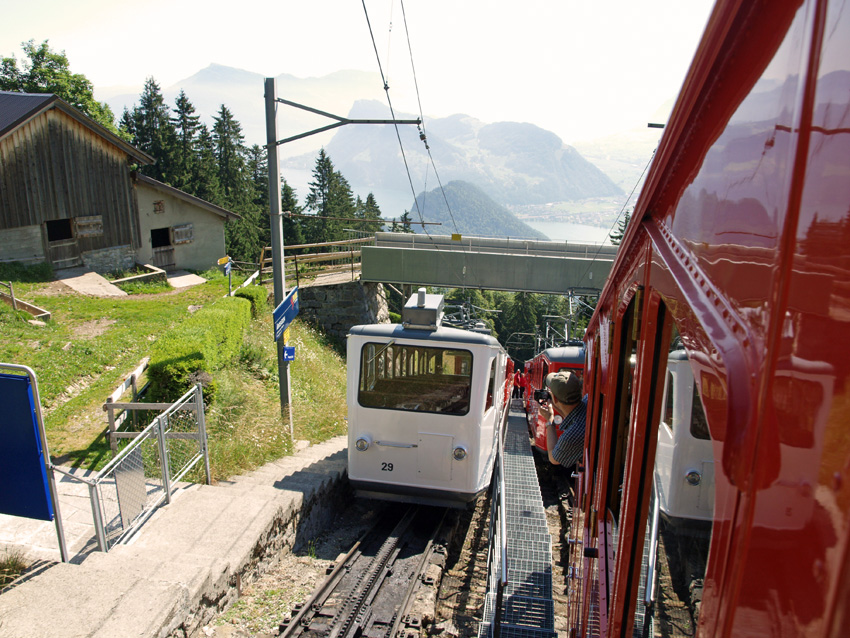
(206, 341)
(257, 295)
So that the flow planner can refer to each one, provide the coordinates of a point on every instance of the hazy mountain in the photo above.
(514, 163)
(243, 93)
(472, 213)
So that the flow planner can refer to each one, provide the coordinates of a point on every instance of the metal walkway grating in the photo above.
(527, 607)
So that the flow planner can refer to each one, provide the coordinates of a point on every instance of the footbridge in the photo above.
(528, 265)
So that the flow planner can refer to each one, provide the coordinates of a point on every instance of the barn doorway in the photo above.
(163, 250)
(62, 244)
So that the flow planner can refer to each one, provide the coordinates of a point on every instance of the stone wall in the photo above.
(337, 307)
(114, 259)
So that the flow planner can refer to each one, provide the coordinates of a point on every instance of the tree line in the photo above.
(215, 164)
(212, 163)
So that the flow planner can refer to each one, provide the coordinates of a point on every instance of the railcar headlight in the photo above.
(459, 453)
(362, 443)
(693, 477)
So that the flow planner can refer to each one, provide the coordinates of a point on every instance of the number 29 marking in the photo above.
(386, 467)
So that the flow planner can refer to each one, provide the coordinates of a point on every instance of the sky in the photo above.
(583, 69)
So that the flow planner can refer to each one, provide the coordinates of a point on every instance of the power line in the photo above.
(423, 136)
(616, 221)
(392, 113)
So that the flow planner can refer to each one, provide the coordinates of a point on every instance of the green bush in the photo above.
(205, 342)
(395, 317)
(258, 296)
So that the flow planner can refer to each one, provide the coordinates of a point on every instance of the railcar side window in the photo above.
(402, 377)
(699, 425)
(491, 385)
(667, 419)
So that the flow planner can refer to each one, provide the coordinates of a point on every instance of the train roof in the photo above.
(441, 334)
(567, 354)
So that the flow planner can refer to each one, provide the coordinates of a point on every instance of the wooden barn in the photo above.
(66, 194)
(69, 196)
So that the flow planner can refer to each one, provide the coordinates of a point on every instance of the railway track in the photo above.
(368, 594)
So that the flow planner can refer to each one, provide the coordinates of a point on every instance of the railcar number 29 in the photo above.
(386, 467)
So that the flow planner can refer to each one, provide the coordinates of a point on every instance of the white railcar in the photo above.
(684, 461)
(426, 405)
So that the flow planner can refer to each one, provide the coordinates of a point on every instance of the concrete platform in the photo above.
(88, 282)
(183, 279)
(184, 565)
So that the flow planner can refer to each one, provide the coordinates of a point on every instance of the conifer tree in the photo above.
(230, 156)
(329, 197)
(370, 213)
(154, 133)
(620, 232)
(186, 125)
(293, 233)
(204, 181)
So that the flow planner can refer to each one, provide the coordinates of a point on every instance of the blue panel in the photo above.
(285, 313)
(23, 476)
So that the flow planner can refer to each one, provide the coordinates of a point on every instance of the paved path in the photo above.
(186, 563)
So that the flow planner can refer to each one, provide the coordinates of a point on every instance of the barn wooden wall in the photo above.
(54, 168)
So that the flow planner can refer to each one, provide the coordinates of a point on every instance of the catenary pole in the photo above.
(272, 144)
(277, 242)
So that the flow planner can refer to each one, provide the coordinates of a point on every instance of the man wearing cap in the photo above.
(565, 390)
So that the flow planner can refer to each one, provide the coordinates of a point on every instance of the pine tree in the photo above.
(154, 133)
(620, 232)
(293, 233)
(330, 197)
(230, 155)
(404, 222)
(370, 213)
(204, 180)
(186, 125)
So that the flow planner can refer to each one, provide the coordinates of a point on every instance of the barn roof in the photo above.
(186, 197)
(17, 109)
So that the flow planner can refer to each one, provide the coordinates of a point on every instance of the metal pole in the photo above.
(277, 241)
(202, 429)
(163, 457)
(99, 533)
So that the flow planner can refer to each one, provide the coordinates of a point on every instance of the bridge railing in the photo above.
(322, 258)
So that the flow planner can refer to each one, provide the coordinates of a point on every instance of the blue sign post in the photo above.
(286, 311)
(27, 487)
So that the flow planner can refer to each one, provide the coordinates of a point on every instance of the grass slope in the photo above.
(92, 344)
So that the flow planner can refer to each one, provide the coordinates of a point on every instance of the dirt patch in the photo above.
(54, 289)
(92, 329)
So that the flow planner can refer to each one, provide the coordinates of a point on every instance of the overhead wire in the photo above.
(392, 114)
(424, 136)
(617, 220)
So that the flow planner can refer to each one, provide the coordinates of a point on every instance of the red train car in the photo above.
(738, 252)
(569, 357)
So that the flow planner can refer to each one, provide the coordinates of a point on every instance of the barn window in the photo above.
(183, 234)
(160, 237)
(159, 206)
(59, 229)
(91, 226)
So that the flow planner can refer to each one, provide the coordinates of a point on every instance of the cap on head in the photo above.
(564, 386)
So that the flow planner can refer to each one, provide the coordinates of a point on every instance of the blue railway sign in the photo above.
(289, 353)
(286, 311)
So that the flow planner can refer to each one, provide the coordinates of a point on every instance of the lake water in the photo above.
(573, 233)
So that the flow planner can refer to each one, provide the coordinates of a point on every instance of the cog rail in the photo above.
(369, 592)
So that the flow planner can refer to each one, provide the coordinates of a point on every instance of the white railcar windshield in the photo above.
(415, 378)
